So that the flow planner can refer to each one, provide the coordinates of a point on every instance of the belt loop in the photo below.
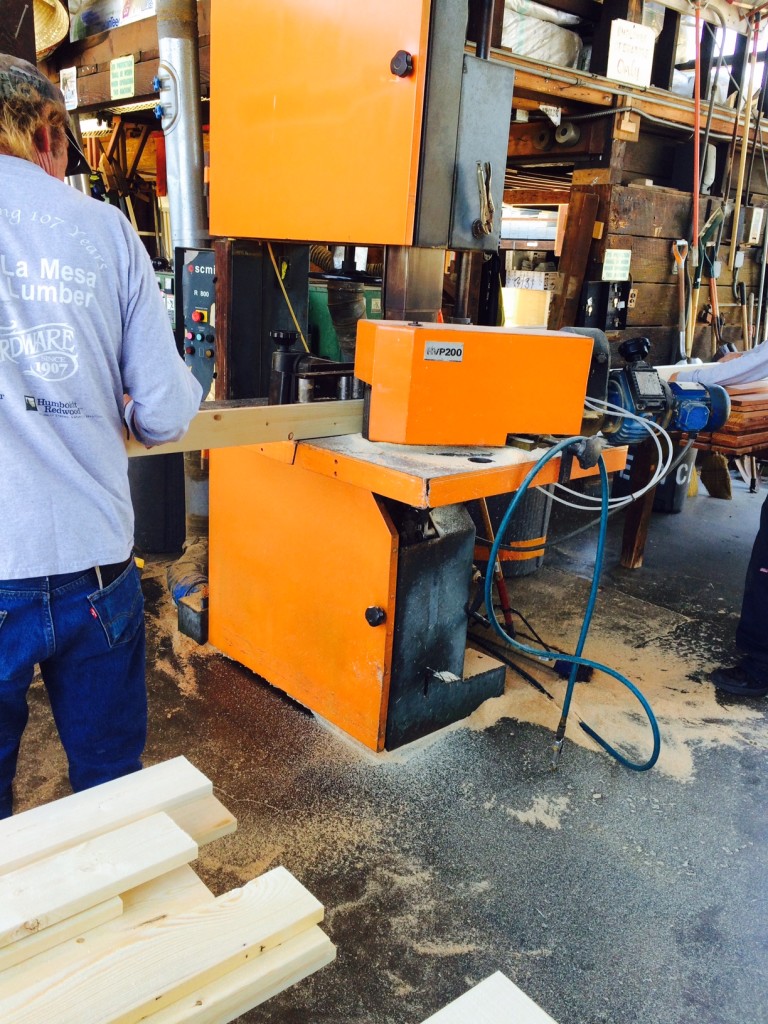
(97, 570)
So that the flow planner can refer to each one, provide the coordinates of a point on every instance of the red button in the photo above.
(190, 350)
(197, 316)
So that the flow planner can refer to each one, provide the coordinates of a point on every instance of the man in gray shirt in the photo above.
(85, 349)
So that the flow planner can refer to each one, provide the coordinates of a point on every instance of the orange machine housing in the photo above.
(303, 543)
(292, 83)
(464, 385)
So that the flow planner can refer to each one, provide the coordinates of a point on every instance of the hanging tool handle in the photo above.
(680, 252)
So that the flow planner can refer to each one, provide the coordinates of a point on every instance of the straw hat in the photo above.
(51, 26)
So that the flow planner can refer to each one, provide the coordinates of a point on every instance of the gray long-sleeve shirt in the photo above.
(82, 322)
(749, 367)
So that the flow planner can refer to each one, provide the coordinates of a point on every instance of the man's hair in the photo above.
(28, 102)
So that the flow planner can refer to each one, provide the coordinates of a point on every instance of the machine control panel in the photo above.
(196, 316)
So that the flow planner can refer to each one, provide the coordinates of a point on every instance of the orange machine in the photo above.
(340, 572)
(340, 569)
(454, 384)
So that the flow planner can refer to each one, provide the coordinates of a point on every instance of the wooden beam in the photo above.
(664, 52)
(204, 820)
(69, 928)
(496, 1000)
(582, 213)
(171, 958)
(73, 819)
(54, 888)
(146, 131)
(173, 893)
(566, 85)
(228, 424)
(536, 196)
(232, 995)
(637, 518)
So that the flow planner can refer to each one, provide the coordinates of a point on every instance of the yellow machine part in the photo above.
(435, 384)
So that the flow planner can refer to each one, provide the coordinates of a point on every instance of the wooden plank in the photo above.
(204, 820)
(171, 958)
(538, 197)
(750, 403)
(649, 212)
(656, 304)
(527, 140)
(45, 830)
(637, 517)
(703, 444)
(496, 1000)
(228, 424)
(71, 927)
(582, 212)
(49, 890)
(173, 893)
(652, 262)
(729, 441)
(744, 426)
(226, 998)
(753, 388)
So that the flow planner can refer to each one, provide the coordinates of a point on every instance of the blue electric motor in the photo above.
(638, 388)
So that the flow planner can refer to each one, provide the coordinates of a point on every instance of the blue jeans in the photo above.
(89, 644)
(752, 631)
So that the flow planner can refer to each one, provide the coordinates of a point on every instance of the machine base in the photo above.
(447, 702)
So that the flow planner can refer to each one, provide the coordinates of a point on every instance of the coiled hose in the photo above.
(575, 659)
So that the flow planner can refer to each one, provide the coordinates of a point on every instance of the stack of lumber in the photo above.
(746, 429)
(496, 1000)
(103, 921)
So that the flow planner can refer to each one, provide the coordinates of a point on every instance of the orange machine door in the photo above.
(313, 137)
(295, 560)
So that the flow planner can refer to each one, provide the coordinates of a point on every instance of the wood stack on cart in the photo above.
(746, 430)
(103, 921)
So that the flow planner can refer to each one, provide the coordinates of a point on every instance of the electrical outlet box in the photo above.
(604, 305)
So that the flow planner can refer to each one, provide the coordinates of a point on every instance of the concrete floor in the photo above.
(606, 895)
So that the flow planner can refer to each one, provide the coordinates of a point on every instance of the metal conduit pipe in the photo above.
(179, 93)
(588, 81)
(178, 77)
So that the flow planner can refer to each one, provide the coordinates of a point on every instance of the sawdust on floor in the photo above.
(690, 714)
(640, 646)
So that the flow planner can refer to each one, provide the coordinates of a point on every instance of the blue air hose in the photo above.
(575, 659)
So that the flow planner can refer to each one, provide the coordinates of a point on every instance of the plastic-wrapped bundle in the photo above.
(526, 33)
